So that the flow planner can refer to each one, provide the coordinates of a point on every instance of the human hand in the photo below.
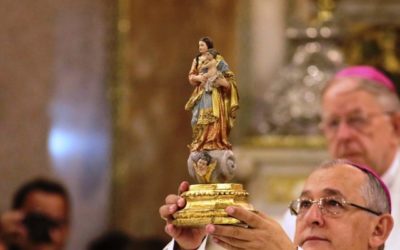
(12, 229)
(262, 232)
(187, 238)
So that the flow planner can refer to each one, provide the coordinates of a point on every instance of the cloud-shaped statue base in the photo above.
(216, 166)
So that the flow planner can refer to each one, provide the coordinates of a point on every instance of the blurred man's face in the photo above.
(357, 127)
(55, 207)
(317, 229)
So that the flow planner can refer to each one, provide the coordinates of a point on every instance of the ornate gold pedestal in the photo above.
(206, 203)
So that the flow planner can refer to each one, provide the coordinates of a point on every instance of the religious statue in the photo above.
(214, 100)
(211, 162)
(213, 104)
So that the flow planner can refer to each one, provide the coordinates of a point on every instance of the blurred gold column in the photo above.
(157, 42)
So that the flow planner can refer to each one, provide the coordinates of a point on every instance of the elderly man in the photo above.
(342, 206)
(361, 122)
(39, 219)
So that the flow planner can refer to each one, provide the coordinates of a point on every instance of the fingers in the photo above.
(235, 237)
(165, 213)
(262, 215)
(12, 221)
(230, 237)
(172, 230)
(174, 199)
(173, 203)
(234, 232)
(12, 228)
(183, 187)
(263, 232)
(250, 218)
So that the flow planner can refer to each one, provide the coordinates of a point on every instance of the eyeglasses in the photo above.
(358, 122)
(334, 206)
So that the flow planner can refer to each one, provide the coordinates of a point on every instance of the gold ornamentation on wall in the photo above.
(283, 188)
(375, 45)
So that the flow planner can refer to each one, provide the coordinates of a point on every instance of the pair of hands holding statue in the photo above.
(262, 232)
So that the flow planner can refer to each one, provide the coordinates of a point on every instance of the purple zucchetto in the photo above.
(368, 73)
(369, 170)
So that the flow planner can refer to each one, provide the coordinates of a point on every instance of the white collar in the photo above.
(389, 176)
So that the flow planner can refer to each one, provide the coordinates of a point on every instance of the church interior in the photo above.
(109, 82)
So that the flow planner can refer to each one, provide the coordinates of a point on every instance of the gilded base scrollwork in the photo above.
(206, 203)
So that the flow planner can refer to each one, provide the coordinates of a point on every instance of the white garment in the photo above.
(206, 242)
(171, 245)
(392, 179)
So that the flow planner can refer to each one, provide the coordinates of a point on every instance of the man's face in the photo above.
(363, 132)
(350, 230)
(55, 207)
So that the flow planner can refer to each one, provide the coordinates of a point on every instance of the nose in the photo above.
(314, 216)
(344, 131)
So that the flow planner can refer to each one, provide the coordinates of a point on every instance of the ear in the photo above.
(396, 122)
(381, 231)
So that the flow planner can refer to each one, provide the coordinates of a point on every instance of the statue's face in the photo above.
(202, 47)
(209, 56)
(201, 167)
